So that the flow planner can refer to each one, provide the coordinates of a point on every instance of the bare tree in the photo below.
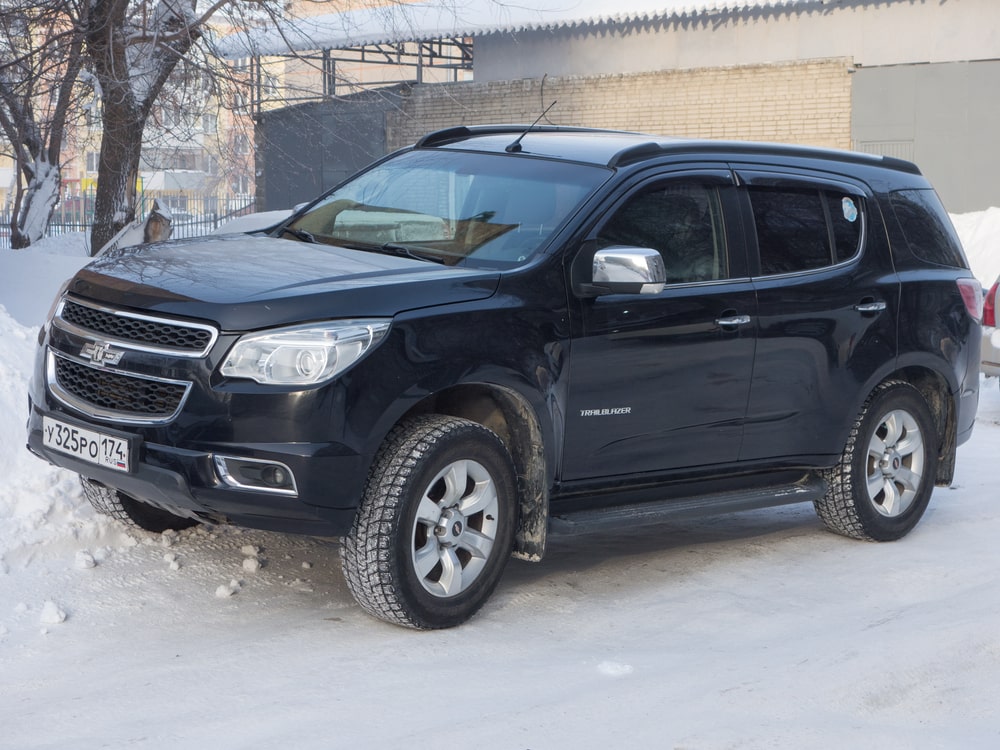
(40, 61)
(131, 53)
(128, 51)
(132, 50)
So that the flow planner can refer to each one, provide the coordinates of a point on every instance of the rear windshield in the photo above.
(927, 228)
(464, 208)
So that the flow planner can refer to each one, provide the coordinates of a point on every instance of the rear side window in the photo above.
(927, 228)
(802, 229)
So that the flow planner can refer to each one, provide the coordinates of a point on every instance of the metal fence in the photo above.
(193, 215)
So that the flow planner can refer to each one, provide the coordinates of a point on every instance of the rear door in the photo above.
(827, 298)
(660, 381)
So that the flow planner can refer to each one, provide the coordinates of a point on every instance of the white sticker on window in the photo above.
(850, 210)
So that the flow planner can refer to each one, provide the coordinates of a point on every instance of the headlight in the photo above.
(303, 355)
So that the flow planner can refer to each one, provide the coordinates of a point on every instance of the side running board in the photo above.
(624, 516)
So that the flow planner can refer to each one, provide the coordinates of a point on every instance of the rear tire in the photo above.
(436, 524)
(883, 483)
(131, 512)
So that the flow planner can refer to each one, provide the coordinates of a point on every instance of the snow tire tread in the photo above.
(369, 552)
(110, 502)
(838, 509)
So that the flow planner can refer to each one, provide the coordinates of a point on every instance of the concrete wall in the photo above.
(945, 117)
(806, 102)
(888, 32)
(304, 150)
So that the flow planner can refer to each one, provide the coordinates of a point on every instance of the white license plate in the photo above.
(87, 445)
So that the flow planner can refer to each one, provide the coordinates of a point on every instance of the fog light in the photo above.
(276, 476)
(254, 474)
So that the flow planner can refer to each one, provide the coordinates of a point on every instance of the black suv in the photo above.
(502, 333)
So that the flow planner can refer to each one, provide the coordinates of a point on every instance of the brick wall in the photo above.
(803, 102)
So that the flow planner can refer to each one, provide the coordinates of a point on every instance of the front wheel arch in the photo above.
(509, 415)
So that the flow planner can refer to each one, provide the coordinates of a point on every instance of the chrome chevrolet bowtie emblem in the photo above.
(101, 354)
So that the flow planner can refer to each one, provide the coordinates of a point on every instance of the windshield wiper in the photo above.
(300, 234)
(391, 248)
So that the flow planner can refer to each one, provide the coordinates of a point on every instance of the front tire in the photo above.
(436, 524)
(883, 483)
(116, 504)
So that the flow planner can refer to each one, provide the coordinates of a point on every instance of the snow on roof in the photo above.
(445, 19)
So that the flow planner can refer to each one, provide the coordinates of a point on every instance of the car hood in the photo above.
(244, 283)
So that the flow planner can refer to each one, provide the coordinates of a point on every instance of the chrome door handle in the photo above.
(870, 307)
(733, 320)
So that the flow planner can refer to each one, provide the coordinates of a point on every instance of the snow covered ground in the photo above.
(754, 630)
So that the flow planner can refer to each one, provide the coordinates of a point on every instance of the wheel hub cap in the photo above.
(891, 463)
(455, 526)
(450, 527)
(895, 463)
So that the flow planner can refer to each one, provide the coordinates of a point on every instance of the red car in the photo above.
(991, 336)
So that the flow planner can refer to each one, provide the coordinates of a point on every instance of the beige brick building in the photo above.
(804, 102)
(914, 80)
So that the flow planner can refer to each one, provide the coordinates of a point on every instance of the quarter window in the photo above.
(801, 229)
(927, 228)
(682, 221)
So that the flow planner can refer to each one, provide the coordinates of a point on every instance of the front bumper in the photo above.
(186, 482)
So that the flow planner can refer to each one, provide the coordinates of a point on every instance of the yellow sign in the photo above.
(90, 183)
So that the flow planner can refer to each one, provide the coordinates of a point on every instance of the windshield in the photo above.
(453, 207)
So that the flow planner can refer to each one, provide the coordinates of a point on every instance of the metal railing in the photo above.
(193, 216)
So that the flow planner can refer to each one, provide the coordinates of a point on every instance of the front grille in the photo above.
(105, 393)
(141, 331)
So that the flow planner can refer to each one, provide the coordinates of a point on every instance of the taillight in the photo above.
(990, 305)
(972, 295)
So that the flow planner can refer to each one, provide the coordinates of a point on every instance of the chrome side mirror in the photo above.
(629, 270)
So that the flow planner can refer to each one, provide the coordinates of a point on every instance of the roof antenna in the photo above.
(515, 147)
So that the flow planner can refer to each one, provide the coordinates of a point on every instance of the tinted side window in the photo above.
(845, 223)
(800, 229)
(681, 220)
(926, 226)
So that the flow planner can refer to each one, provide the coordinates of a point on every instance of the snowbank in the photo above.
(41, 508)
(980, 235)
(29, 279)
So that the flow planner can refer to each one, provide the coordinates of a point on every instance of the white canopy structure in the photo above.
(398, 23)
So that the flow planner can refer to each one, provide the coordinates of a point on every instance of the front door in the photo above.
(661, 381)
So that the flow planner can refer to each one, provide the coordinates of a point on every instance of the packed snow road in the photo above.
(754, 630)
(751, 630)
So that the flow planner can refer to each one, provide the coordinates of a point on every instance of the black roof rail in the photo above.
(447, 135)
(639, 152)
(461, 132)
(643, 150)
(651, 149)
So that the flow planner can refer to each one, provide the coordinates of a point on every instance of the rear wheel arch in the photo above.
(937, 393)
(883, 481)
